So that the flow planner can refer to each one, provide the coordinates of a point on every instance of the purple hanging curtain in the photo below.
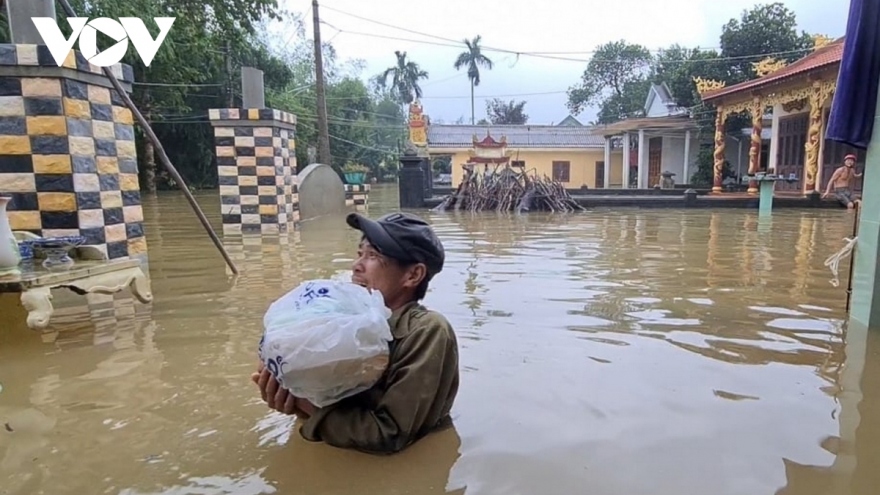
(852, 111)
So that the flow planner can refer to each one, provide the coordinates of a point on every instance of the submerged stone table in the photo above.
(767, 184)
(86, 277)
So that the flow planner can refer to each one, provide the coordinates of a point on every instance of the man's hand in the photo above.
(278, 398)
(824, 195)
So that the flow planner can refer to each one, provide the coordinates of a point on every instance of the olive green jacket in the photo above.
(413, 397)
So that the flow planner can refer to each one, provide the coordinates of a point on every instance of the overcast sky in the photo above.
(570, 29)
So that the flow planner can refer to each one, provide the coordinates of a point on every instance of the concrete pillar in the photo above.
(67, 150)
(643, 173)
(774, 138)
(357, 196)
(865, 307)
(256, 169)
(625, 161)
(607, 169)
(20, 12)
(253, 93)
(429, 177)
(686, 176)
(411, 181)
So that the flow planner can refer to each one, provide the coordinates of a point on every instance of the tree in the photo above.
(677, 66)
(405, 77)
(765, 29)
(616, 80)
(198, 68)
(190, 56)
(473, 59)
(501, 112)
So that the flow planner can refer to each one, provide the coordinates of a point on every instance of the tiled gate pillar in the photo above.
(357, 195)
(67, 150)
(256, 168)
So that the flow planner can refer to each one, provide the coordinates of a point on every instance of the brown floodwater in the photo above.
(661, 352)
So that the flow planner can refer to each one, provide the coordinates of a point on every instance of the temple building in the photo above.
(569, 154)
(799, 96)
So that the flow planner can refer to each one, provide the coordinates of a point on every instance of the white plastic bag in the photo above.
(326, 340)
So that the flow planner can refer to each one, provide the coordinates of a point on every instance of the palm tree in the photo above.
(405, 78)
(473, 58)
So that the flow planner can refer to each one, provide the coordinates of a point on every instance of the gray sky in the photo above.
(571, 29)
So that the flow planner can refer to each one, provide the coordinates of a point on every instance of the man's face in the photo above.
(375, 271)
(849, 163)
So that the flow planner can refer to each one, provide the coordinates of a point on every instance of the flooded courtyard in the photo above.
(629, 352)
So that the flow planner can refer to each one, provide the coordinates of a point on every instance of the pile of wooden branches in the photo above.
(508, 190)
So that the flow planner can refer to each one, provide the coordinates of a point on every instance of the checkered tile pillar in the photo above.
(67, 150)
(357, 196)
(257, 169)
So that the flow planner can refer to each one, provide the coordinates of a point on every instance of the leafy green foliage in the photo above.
(618, 77)
(472, 59)
(501, 112)
(765, 29)
(614, 73)
(705, 174)
(405, 77)
(198, 68)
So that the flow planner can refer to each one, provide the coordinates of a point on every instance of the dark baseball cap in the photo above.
(403, 237)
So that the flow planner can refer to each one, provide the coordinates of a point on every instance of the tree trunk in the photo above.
(473, 120)
(149, 152)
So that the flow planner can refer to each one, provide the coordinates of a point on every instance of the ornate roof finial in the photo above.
(706, 85)
(820, 40)
(768, 66)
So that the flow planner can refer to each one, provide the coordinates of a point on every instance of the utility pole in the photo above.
(323, 129)
(230, 92)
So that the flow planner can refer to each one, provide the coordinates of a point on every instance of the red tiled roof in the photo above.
(826, 56)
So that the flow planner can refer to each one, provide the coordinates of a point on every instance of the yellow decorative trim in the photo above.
(418, 125)
(820, 40)
(820, 92)
(768, 66)
(794, 106)
(719, 149)
(736, 108)
(825, 88)
(706, 85)
(757, 111)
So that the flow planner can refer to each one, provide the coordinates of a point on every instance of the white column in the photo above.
(607, 168)
(643, 172)
(625, 161)
(687, 158)
(774, 137)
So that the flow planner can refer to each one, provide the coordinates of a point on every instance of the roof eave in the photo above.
(734, 90)
(447, 147)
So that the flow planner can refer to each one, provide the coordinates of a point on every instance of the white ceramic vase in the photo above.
(10, 256)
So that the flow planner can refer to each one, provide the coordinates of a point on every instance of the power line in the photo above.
(759, 56)
(370, 148)
(177, 85)
(458, 43)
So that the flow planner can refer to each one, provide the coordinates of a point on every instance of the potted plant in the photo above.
(355, 173)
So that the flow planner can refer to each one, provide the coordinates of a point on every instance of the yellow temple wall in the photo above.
(582, 162)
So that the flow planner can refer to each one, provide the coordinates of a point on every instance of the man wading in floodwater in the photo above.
(398, 254)
(841, 181)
